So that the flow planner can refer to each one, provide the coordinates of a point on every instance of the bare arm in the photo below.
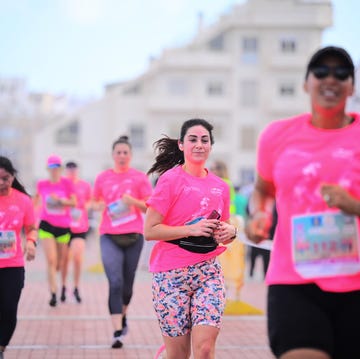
(36, 200)
(71, 202)
(30, 244)
(132, 201)
(225, 232)
(154, 229)
(261, 204)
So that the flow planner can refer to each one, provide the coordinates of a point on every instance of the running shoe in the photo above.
(53, 300)
(125, 327)
(77, 295)
(117, 343)
(63, 294)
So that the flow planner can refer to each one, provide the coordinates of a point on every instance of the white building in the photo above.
(240, 73)
(24, 114)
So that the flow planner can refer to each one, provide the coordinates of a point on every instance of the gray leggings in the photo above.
(120, 267)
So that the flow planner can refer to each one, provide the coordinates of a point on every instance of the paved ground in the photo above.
(76, 331)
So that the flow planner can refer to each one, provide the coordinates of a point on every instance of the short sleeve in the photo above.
(264, 155)
(29, 212)
(160, 198)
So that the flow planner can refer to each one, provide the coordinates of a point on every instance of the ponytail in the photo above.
(168, 155)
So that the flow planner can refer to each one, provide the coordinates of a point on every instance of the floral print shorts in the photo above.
(189, 296)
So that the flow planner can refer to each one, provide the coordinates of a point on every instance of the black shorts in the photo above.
(47, 230)
(304, 316)
(77, 235)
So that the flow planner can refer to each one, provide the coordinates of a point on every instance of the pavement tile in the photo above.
(79, 331)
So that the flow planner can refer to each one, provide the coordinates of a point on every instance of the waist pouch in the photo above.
(124, 240)
(196, 244)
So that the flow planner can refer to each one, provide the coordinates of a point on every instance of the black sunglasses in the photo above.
(341, 73)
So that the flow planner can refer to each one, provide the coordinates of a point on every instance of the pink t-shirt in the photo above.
(51, 212)
(118, 218)
(79, 214)
(16, 211)
(298, 158)
(181, 198)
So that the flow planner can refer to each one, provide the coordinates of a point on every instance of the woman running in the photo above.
(56, 196)
(121, 193)
(188, 215)
(16, 215)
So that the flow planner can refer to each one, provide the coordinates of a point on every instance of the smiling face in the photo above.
(328, 93)
(196, 145)
(6, 180)
(121, 155)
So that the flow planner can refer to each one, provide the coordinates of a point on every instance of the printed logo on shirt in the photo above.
(216, 191)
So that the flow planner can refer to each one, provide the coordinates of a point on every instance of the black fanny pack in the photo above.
(196, 244)
(124, 240)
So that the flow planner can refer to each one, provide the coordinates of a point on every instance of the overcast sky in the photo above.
(78, 46)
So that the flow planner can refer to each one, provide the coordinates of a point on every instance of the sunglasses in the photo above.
(341, 73)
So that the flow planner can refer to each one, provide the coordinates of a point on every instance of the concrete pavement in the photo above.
(77, 331)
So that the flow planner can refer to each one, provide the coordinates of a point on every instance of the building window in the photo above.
(215, 88)
(217, 43)
(249, 53)
(68, 135)
(249, 93)
(177, 87)
(247, 138)
(288, 45)
(221, 128)
(132, 90)
(287, 90)
(137, 136)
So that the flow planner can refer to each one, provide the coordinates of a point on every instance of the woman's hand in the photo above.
(98, 205)
(30, 250)
(338, 197)
(225, 233)
(204, 227)
(257, 226)
(128, 199)
(132, 201)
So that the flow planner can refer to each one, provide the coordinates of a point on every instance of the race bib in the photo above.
(120, 213)
(75, 214)
(325, 244)
(7, 244)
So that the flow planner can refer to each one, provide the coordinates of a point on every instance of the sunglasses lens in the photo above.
(339, 72)
(342, 73)
(321, 72)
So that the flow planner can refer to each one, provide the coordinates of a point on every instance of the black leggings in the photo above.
(120, 267)
(11, 284)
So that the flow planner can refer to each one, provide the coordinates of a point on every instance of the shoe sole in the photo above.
(117, 344)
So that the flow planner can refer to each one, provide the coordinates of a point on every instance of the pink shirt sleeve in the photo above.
(19, 212)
